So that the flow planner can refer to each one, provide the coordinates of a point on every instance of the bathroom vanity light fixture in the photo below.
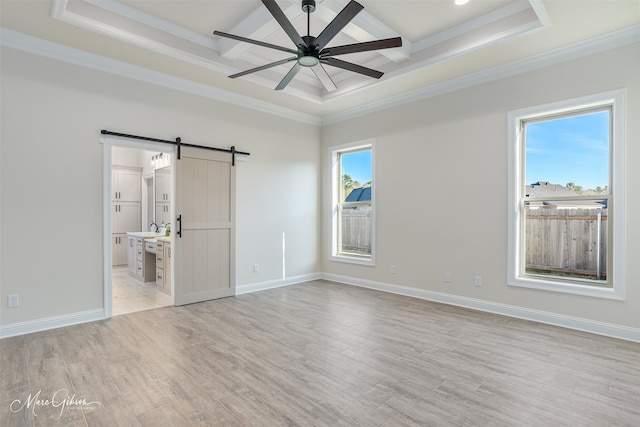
(160, 160)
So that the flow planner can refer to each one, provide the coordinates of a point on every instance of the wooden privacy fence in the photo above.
(570, 242)
(356, 229)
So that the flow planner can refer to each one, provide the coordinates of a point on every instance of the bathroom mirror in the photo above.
(163, 196)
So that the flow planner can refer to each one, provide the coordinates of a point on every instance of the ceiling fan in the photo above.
(311, 51)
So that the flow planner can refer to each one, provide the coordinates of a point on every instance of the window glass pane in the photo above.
(566, 169)
(354, 211)
(355, 170)
(355, 225)
(567, 238)
(570, 151)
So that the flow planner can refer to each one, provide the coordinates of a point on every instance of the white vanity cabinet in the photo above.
(126, 184)
(126, 209)
(119, 248)
(163, 265)
(126, 216)
(167, 267)
(142, 264)
(132, 254)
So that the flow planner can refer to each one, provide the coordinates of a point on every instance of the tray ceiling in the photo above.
(441, 40)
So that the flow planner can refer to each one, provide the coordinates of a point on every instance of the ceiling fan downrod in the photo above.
(309, 57)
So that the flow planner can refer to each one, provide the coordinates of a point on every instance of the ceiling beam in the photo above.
(366, 27)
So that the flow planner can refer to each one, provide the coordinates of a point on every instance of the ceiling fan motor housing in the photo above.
(309, 55)
(308, 6)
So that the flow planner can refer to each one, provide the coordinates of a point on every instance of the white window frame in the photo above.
(336, 180)
(617, 266)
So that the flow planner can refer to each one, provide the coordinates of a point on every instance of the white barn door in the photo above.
(205, 235)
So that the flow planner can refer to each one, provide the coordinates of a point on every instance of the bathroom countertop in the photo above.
(145, 234)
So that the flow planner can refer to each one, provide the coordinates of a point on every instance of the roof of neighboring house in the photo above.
(546, 189)
(360, 194)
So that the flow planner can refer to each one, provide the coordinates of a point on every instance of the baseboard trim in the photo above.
(278, 283)
(53, 322)
(570, 322)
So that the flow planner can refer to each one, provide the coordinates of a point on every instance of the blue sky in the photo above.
(571, 149)
(358, 166)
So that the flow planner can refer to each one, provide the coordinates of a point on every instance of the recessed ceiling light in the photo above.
(461, 2)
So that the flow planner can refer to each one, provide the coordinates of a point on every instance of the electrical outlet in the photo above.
(13, 301)
(256, 268)
(477, 281)
(393, 269)
(448, 278)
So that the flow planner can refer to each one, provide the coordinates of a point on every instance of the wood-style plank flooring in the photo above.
(318, 354)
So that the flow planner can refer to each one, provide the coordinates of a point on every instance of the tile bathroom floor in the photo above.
(131, 295)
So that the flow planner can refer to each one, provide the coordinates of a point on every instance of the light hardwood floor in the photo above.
(320, 354)
(131, 295)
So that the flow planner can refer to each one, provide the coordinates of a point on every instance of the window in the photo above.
(352, 203)
(566, 195)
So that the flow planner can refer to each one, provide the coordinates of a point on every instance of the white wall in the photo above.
(441, 187)
(435, 161)
(51, 180)
(130, 157)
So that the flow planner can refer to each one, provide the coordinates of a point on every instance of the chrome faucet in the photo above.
(156, 228)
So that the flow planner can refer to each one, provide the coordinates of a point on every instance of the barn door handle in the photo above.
(179, 226)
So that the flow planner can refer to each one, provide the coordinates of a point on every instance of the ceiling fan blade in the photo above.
(290, 75)
(339, 22)
(256, 42)
(324, 78)
(362, 47)
(352, 67)
(263, 67)
(286, 25)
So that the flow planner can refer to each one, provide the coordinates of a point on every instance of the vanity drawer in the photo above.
(139, 249)
(159, 278)
(160, 255)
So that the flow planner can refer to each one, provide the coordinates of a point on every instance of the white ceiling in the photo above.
(442, 42)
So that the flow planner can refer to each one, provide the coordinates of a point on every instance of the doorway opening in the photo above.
(138, 196)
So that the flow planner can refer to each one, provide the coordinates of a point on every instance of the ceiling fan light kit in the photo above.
(311, 51)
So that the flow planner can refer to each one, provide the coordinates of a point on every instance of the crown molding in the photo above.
(37, 46)
(51, 50)
(577, 50)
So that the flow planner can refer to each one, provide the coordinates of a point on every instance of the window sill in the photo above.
(352, 260)
(567, 288)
